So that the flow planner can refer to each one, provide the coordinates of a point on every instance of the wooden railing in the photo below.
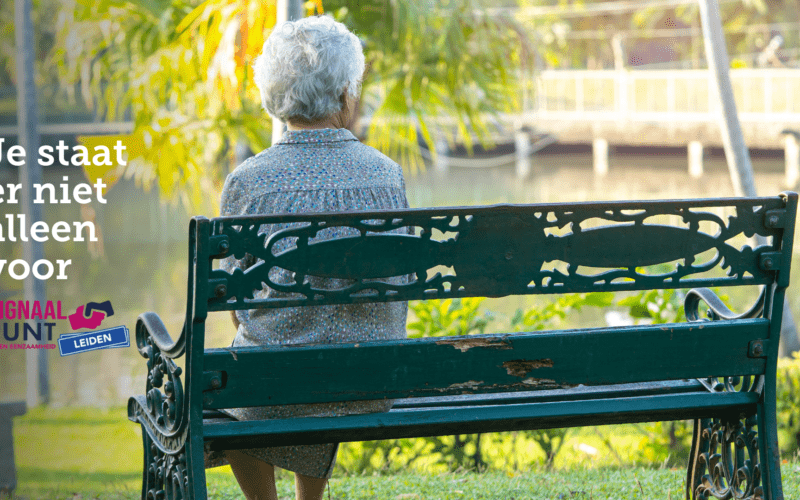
(678, 96)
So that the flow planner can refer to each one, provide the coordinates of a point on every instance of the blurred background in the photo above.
(481, 102)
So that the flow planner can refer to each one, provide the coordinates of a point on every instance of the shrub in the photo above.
(788, 396)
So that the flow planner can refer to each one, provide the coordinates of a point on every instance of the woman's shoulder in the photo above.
(305, 167)
(370, 159)
(375, 155)
(255, 164)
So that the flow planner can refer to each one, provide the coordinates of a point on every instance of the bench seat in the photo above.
(624, 403)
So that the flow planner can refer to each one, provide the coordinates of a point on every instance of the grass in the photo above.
(606, 483)
(579, 484)
(82, 454)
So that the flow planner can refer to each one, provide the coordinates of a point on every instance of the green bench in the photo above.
(719, 371)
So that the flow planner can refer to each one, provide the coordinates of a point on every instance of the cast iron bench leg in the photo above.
(770, 451)
(733, 454)
(196, 465)
(696, 468)
(166, 475)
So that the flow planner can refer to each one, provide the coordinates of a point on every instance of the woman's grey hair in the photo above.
(305, 67)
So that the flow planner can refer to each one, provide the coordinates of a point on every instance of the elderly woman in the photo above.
(309, 76)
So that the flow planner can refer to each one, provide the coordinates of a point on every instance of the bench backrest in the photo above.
(489, 252)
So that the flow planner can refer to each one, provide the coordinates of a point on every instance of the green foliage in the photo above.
(656, 306)
(432, 62)
(140, 60)
(444, 318)
(550, 441)
(44, 17)
(788, 404)
(181, 71)
(551, 314)
(667, 443)
(572, 39)
(432, 454)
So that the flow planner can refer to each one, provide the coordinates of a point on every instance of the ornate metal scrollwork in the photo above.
(728, 461)
(716, 308)
(555, 249)
(165, 476)
(161, 412)
(164, 408)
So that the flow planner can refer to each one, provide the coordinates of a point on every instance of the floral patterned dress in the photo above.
(316, 170)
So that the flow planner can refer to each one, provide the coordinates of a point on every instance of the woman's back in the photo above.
(315, 170)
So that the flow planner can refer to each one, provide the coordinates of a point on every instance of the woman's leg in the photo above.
(309, 488)
(255, 477)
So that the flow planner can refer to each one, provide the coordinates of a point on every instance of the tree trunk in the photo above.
(736, 152)
(30, 173)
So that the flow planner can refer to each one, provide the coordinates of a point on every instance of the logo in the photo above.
(90, 315)
(74, 343)
(28, 324)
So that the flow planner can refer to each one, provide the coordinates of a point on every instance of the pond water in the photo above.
(140, 264)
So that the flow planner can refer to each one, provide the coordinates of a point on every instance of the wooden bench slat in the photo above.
(579, 393)
(467, 420)
(482, 364)
(572, 394)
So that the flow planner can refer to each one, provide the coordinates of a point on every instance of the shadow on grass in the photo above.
(35, 483)
(73, 421)
(38, 475)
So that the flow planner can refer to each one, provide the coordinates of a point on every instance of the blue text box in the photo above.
(75, 343)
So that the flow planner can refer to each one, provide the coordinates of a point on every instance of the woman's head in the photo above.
(306, 67)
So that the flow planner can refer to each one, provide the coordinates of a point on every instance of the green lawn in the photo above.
(81, 454)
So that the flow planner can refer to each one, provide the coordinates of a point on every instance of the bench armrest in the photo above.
(149, 325)
(162, 409)
(716, 308)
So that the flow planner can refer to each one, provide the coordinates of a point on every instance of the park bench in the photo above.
(719, 371)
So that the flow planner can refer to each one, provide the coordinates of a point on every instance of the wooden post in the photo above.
(619, 52)
(8, 470)
(696, 159)
(30, 173)
(600, 156)
(287, 10)
(522, 143)
(791, 151)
